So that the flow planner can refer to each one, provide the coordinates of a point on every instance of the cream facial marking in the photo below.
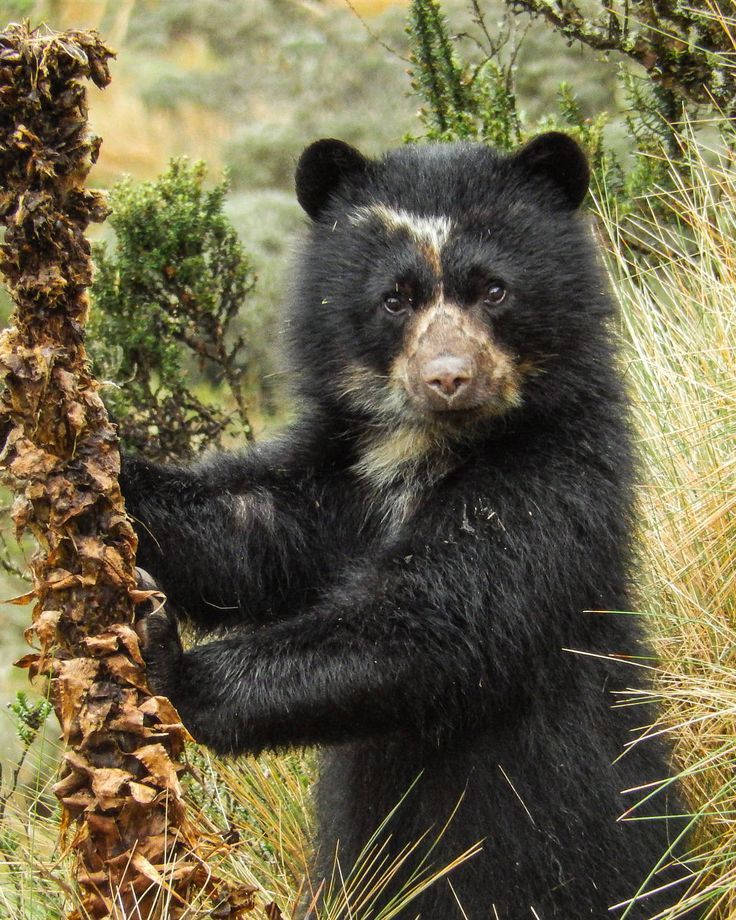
(430, 233)
(371, 392)
(445, 333)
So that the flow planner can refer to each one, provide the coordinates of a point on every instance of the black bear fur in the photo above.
(410, 585)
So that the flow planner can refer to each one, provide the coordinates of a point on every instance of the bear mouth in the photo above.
(397, 401)
(490, 398)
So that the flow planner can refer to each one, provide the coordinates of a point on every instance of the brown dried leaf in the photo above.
(71, 783)
(107, 783)
(60, 580)
(234, 903)
(103, 472)
(91, 549)
(116, 561)
(142, 822)
(45, 627)
(77, 417)
(148, 869)
(76, 676)
(21, 513)
(104, 830)
(162, 709)
(66, 381)
(33, 463)
(129, 640)
(124, 671)
(156, 760)
(168, 722)
(93, 716)
(78, 801)
(142, 793)
(67, 500)
(129, 720)
(94, 904)
(98, 646)
(22, 599)
(140, 597)
(78, 763)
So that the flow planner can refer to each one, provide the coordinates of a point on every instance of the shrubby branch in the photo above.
(684, 48)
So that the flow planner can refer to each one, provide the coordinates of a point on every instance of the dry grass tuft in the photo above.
(674, 266)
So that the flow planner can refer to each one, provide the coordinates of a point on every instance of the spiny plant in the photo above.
(477, 100)
(133, 848)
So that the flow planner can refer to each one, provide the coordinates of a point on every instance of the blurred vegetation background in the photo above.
(244, 85)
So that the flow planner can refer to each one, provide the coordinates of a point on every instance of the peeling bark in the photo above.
(135, 852)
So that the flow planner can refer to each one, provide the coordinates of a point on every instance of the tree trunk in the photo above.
(134, 850)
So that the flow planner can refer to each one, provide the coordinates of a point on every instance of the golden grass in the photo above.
(256, 815)
(674, 267)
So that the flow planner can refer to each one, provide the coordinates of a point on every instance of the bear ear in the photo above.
(322, 167)
(561, 160)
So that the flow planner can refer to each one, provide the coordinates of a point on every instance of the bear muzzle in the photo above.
(447, 383)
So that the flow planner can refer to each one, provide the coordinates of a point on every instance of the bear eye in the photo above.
(495, 293)
(396, 303)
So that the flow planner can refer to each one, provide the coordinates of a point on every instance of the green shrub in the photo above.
(164, 299)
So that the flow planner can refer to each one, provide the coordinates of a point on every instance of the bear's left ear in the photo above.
(561, 160)
(322, 167)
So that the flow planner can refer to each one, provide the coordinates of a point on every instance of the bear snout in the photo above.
(448, 381)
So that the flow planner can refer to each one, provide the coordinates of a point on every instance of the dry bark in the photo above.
(135, 852)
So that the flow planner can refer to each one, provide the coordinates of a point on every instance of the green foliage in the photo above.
(590, 132)
(29, 717)
(438, 76)
(469, 99)
(465, 100)
(462, 102)
(686, 48)
(496, 106)
(653, 135)
(164, 298)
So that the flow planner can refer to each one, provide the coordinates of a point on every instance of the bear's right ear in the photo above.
(322, 167)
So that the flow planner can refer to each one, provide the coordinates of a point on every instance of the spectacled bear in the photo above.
(409, 576)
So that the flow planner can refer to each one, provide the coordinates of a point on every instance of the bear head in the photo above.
(444, 287)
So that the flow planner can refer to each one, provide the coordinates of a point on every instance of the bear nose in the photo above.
(447, 375)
